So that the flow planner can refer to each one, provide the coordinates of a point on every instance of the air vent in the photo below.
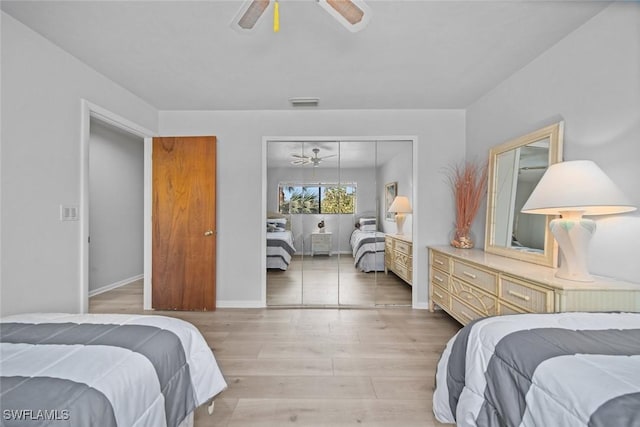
(304, 101)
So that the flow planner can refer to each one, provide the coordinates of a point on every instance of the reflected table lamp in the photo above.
(400, 206)
(573, 189)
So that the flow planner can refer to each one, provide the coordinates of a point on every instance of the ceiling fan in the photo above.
(353, 14)
(302, 159)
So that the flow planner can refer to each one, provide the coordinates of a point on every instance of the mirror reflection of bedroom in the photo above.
(332, 238)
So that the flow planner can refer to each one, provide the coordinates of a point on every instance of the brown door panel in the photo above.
(184, 218)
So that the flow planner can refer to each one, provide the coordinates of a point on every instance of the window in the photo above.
(317, 198)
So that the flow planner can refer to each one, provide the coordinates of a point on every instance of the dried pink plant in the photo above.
(468, 182)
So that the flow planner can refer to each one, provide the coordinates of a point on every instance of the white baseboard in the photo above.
(111, 286)
(239, 304)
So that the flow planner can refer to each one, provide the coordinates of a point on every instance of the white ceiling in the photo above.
(184, 55)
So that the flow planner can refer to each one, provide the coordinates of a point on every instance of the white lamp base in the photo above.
(400, 217)
(573, 234)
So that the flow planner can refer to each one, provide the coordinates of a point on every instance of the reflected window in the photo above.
(317, 198)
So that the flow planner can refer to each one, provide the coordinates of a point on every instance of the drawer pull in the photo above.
(466, 315)
(438, 295)
(437, 261)
(466, 273)
(519, 295)
(438, 278)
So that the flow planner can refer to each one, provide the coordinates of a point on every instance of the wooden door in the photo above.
(184, 220)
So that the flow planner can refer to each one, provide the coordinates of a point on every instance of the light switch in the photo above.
(68, 213)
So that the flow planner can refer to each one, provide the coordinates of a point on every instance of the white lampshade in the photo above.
(573, 189)
(400, 205)
(578, 185)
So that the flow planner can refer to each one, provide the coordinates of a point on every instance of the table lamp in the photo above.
(573, 189)
(400, 206)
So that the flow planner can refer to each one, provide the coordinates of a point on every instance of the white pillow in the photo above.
(367, 221)
(282, 221)
(368, 227)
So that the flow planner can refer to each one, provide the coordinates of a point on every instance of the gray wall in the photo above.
(440, 136)
(116, 208)
(40, 167)
(398, 169)
(590, 79)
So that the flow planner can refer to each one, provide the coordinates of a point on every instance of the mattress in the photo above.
(103, 370)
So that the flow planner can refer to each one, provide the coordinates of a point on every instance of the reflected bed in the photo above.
(279, 249)
(368, 250)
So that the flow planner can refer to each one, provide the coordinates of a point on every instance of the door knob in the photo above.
(208, 233)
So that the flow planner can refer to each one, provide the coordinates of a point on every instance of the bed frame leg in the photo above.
(210, 407)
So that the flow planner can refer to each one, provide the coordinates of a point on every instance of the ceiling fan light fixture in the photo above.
(250, 13)
(304, 101)
(353, 14)
(315, 160)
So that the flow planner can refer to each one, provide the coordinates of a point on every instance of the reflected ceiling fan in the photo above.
(301, 159)
(353, 14)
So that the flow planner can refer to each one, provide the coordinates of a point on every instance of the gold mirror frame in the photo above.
(548, 256)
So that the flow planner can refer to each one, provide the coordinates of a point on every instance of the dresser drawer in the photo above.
(388, 244)
(439, 278)
(526, 295)
(402, 246)
(507, 309)
(402, 272)
(440, 261)
(403, 259)
(484, 303)
(463, 313)
(486, 280)
(440, 296)
(321, 239)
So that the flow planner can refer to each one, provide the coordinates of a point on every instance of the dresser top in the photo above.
(534, 272)
(405, 237)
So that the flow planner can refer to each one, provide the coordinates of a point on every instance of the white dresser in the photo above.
(470, 283)
(321, 243)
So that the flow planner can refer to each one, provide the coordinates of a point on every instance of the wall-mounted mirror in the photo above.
(515, 168)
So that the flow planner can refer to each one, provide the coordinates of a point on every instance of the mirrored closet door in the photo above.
(328, 222)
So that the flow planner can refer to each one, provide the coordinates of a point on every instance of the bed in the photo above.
(279, 249)
(562, 369)
(103, 370)
(367, 246)
(280, 246)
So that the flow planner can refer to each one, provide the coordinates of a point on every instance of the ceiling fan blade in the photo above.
(326, 157)
(301, 162)
(300, 156)
(349, 11)
(252, 14)
(353, 14)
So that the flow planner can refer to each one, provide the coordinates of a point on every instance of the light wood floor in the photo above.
(314, 367)
(333, 280)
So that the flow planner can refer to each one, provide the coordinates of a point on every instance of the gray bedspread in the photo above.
(506, 371)
(134, 372)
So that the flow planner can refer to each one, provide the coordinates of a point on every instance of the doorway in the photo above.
(91, 111)
(329, 196)
(116, 208)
